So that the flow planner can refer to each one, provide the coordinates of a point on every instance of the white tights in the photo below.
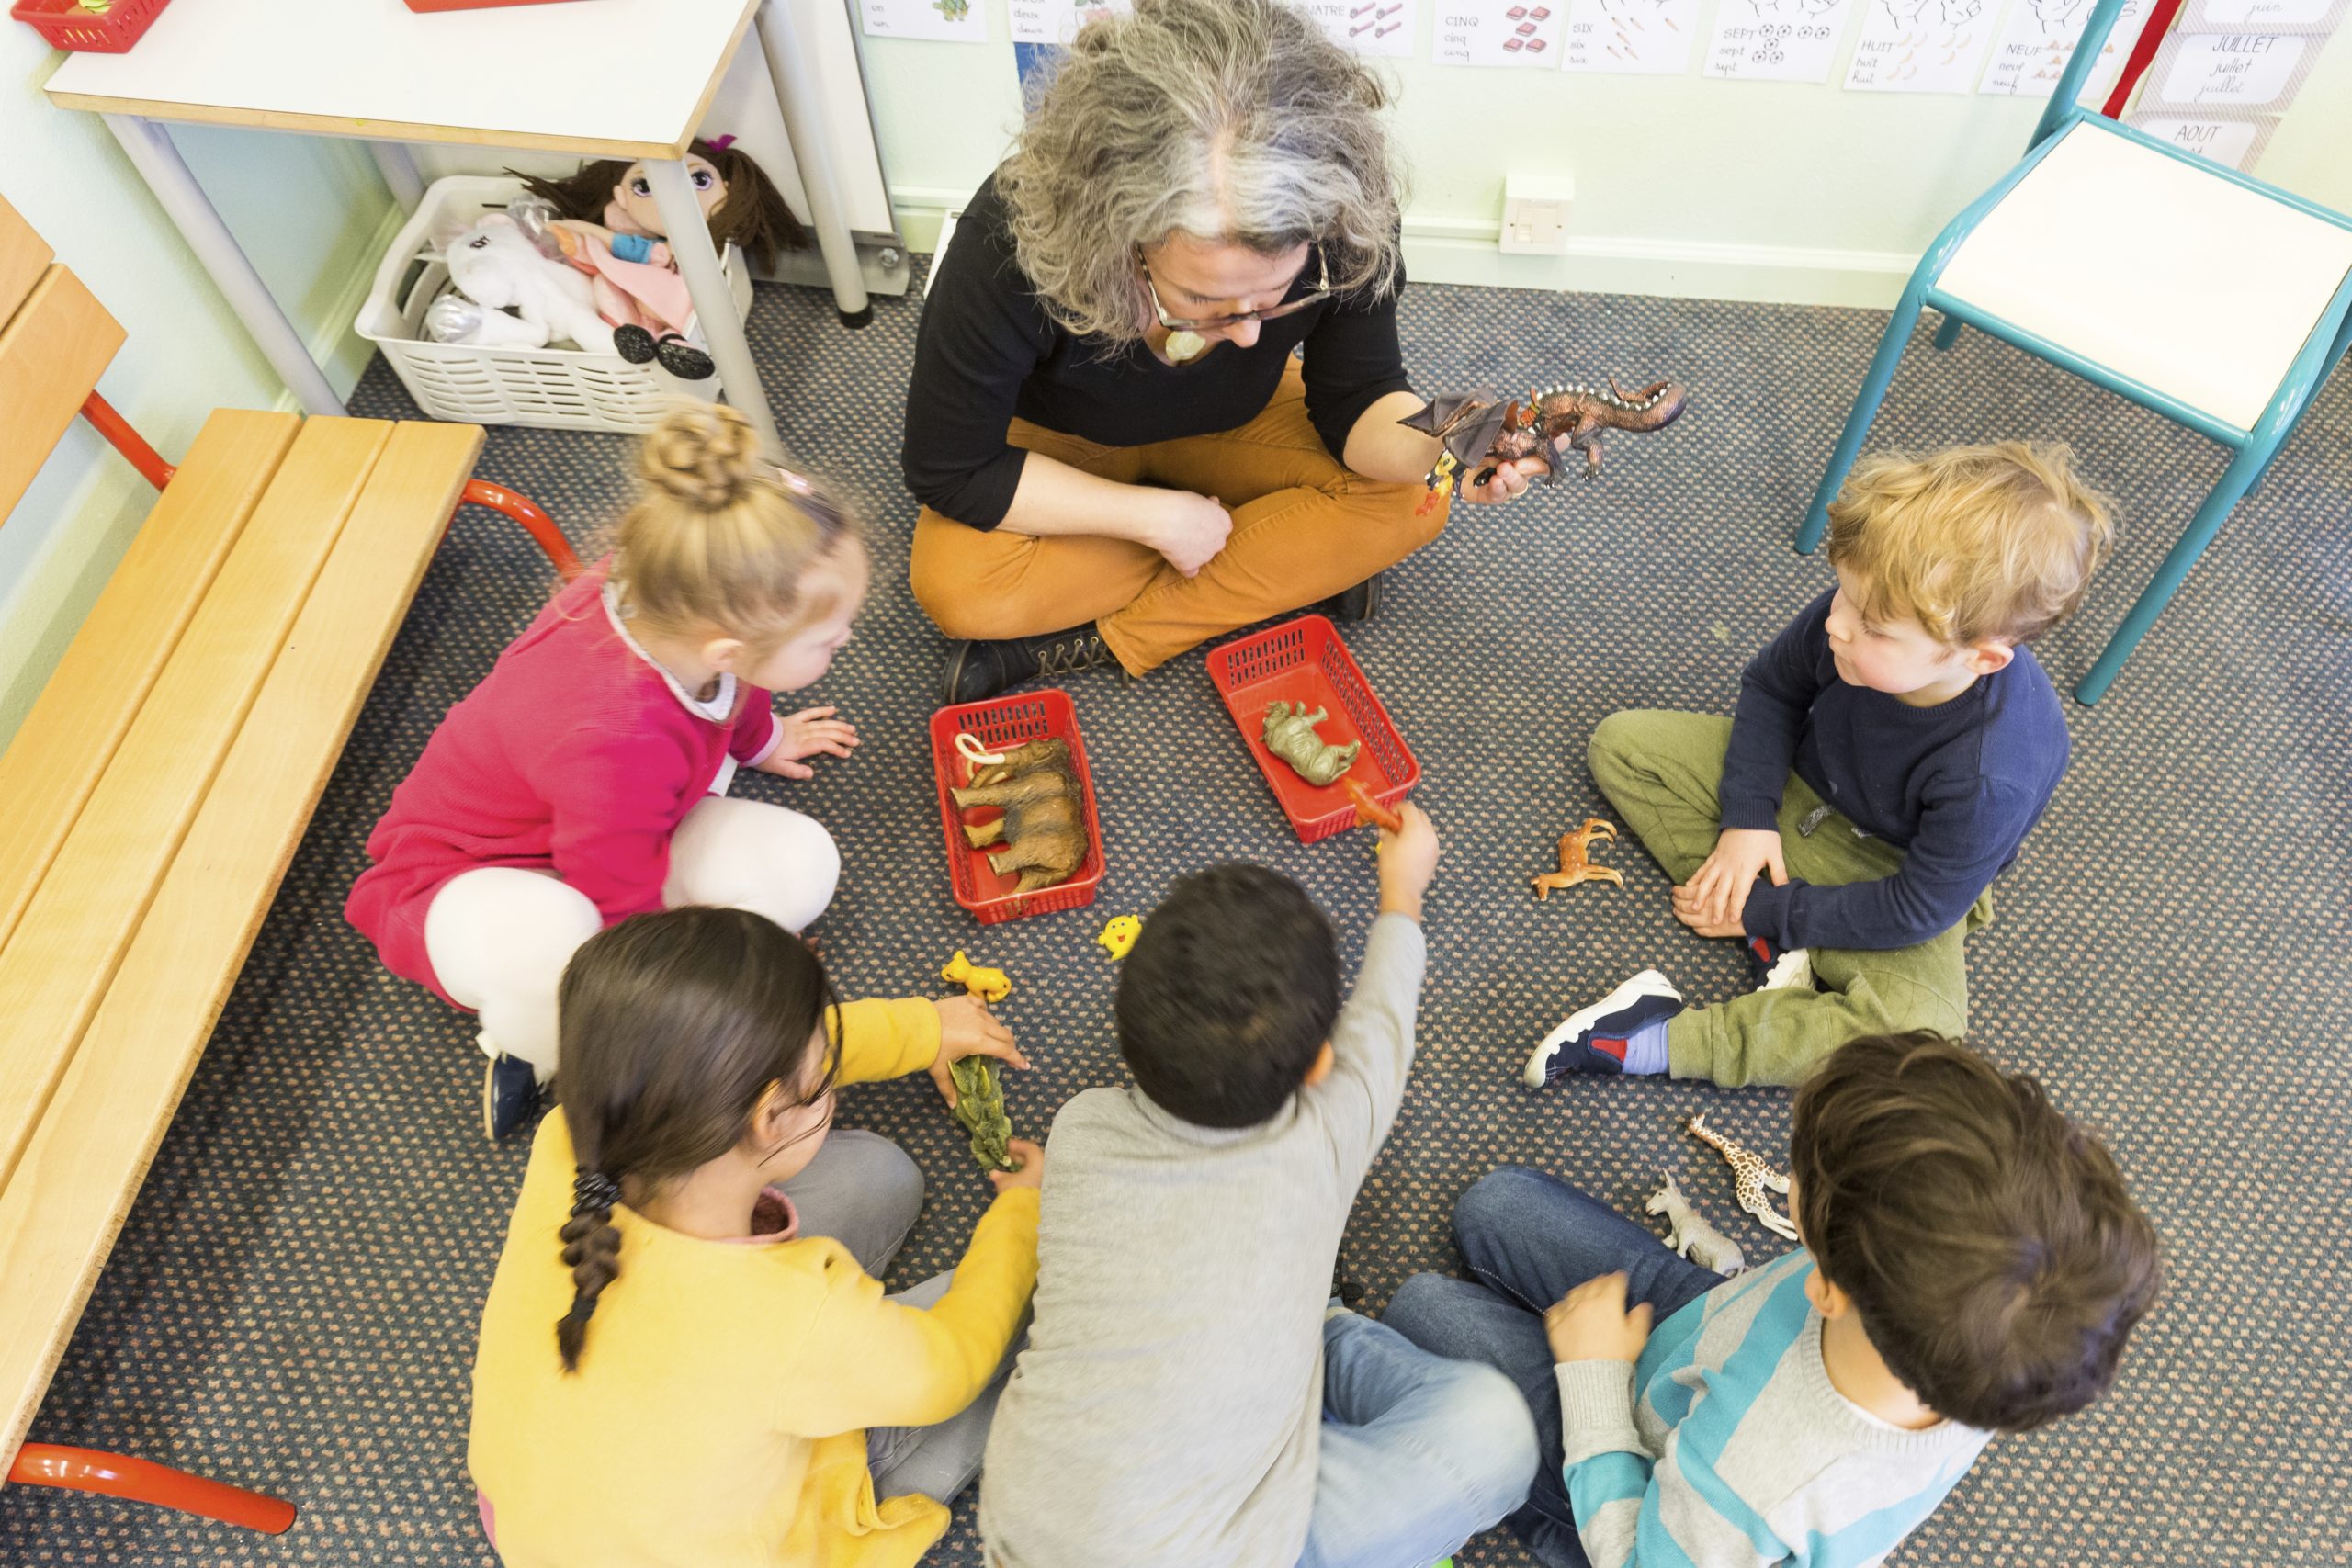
(499, 936)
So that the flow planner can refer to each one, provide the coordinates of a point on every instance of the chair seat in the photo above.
(2156, 268)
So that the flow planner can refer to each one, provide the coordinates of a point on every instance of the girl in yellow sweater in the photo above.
(679, 1362)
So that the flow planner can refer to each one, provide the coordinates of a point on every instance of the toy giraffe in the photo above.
(1750, 1177)
(1573, 866)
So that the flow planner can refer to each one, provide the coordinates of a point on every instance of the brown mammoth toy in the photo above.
(1043, 828)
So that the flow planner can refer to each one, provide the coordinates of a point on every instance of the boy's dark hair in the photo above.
(671, 1027)
(1994, 1257)
(1229, 996)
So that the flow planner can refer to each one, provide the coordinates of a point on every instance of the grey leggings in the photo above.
(863, 1190)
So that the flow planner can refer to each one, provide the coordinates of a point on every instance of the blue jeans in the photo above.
(1529, 1239)
(1419, 1454)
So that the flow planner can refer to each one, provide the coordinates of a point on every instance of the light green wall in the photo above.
(312, 213)
(1684, 186)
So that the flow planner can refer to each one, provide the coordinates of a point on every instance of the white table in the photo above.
(599, 78)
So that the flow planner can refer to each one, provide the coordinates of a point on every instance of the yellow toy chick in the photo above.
(989, 985)
(1120, 935)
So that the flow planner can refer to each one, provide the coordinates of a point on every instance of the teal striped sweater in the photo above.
(1724, 1444)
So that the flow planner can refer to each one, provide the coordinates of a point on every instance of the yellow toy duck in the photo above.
(1120, 935)
(989, 985)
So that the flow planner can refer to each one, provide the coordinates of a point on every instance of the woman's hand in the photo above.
(1190, 530)
(1510, 481)
(809, 733)
(967, 1029)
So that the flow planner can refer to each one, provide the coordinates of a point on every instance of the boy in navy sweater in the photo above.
(1890, 751)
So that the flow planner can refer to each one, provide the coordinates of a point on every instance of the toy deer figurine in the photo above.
(1691, 1236)
(1750, 1177)
(1573, 865)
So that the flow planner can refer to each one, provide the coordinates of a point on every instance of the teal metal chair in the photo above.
(2212, 298)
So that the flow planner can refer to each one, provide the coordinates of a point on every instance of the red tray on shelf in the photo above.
(1304, 661)
(984, 892)
(469, 5)
(67, 26)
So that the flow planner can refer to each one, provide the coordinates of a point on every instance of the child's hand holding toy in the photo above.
(967, 1028)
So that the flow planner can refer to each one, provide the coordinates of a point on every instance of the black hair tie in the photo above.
(594, 1193)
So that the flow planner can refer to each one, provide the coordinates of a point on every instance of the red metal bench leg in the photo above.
(526, 512)
(141, 1480)
(126, 441)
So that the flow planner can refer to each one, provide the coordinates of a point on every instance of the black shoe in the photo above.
(633, 344)
(978, 670)
(1351, 605)
(510, 1092)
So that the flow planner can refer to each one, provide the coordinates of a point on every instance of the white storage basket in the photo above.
(560, 388)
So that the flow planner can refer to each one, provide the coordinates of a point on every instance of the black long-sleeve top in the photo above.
(988, 351)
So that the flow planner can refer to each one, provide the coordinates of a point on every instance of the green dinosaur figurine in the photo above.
(1290, 734)
(980, 1106)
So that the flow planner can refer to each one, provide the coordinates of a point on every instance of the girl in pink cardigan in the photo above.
(584, 780)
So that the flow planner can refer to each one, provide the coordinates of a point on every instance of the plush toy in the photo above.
(495, 264)
(611, 229)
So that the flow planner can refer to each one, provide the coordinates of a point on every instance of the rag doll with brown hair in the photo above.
(610, 226)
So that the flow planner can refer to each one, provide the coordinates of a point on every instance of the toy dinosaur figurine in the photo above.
(1750, 1177)
(1370, 813)
(1043, 831)
(1290, 734)
(1475, 431)
(1573, 865)
(988, 985)
(1690, 1234)
(980, 1106)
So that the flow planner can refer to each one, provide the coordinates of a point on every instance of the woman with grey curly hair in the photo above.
(1157, 391)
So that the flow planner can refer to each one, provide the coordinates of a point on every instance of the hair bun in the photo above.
(704, 454)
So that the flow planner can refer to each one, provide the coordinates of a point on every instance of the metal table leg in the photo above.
(160, 165)
(398, 169)
(797, 92)
(689, 239)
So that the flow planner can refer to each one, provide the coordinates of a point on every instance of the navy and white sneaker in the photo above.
(510, 1092)
(1778, 969)
(1593, 1041)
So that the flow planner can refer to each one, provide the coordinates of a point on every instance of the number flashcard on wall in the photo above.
(1368, 27)
(1776, 40)
(1921, 46)
(955, 21)
(1057, 21)
(1642, 38)
(2244, 70)
(1520, 33)
(2040, 34)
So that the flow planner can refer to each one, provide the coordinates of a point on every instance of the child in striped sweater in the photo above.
(1971, 1264)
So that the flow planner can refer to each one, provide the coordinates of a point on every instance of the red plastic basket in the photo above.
(984, 892)
(1305, 661)
(67, 26)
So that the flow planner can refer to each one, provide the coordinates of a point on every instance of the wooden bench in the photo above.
(157, 790)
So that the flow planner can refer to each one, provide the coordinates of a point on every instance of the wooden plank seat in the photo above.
(156, 791)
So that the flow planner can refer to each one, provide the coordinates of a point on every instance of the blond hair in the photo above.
(1974, 543)
(721, 539)
(1235, 121)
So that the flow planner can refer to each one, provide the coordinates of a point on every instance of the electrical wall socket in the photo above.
(1535, 214)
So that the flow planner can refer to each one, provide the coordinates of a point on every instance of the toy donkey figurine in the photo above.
(1691, 1236)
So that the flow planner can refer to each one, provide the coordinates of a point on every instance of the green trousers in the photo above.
(1662, 770)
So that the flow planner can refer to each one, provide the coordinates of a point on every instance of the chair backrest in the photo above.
(56, 340)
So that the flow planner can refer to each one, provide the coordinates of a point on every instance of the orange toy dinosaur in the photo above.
(1573, 866)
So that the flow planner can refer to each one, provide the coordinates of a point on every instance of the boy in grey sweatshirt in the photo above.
(1189, 1396)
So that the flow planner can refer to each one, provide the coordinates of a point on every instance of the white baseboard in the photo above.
(1462, 250)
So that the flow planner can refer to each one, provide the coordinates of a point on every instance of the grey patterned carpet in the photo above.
(293, 1302)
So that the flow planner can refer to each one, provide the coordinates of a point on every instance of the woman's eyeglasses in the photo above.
(1321, 292)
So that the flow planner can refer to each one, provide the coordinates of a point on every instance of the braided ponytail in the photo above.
(592, 1245)
(671, 1028)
